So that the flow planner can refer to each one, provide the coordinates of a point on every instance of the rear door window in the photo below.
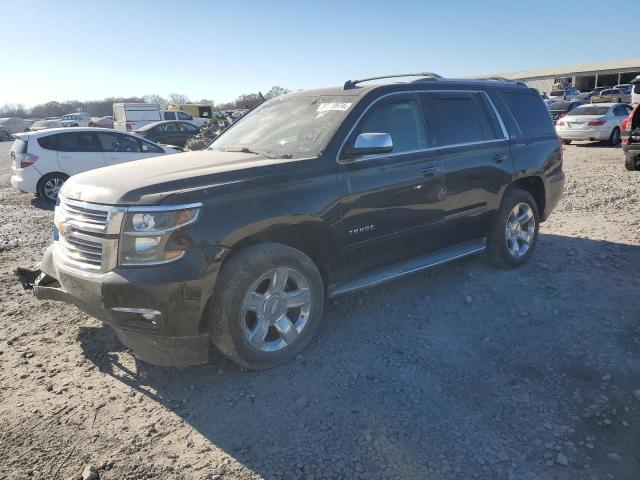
(49, 143)
(169, 115)
(114, 142)
(529, 112)
(187, 127)
(455, 118)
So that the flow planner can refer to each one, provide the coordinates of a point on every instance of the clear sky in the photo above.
(218, 49)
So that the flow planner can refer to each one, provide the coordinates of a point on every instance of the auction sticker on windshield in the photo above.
(339, 106)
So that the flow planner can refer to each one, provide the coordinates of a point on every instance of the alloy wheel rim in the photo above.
(520, 230)
(52, 188)
(275, 310)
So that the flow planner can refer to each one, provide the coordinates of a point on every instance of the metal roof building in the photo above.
(583, 76)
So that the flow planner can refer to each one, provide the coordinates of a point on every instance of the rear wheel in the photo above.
(614, 138)
(49, 186)
(267, 305)
(515, 234)
(566, 142)
(4, 136)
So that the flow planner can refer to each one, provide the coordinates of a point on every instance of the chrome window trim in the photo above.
(428, 149)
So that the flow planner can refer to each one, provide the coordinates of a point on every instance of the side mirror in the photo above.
(369, 144)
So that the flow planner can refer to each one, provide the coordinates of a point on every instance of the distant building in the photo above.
(583, 76)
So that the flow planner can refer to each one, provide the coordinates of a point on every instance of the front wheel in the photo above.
(566, 142)
(515, 233)
(630, 164)
(4, 136)
(267, 305)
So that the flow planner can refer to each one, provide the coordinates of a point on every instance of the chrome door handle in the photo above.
(428, 171)
(501, 157)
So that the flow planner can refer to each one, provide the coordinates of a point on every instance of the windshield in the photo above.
(557, 93)
(590, 110)
(287, 127)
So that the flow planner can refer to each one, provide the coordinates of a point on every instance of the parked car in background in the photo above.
(170, 133)
(614, 95)
(597, 90)
(635, 92)
(593, 122)
(10, 126)
(42, 161)
(102, 122)
(49, 122)
(132, 116)
(631, 139)
(563, 94)
(179, 115)
(584, 96)
(80, 119)
(560, 109)
(627, 89)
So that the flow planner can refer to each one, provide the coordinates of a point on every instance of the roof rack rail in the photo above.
(353, 83)
(501, 79)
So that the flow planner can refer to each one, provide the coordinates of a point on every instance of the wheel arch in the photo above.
(535, 186)
(310, 237)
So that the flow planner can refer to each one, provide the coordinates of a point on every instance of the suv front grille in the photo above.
(88, 234)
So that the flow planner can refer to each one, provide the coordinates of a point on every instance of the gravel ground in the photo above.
(464, 371)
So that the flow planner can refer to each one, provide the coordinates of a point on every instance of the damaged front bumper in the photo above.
(160, 313)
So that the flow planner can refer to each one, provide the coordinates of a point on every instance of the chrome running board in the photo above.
(407, 267)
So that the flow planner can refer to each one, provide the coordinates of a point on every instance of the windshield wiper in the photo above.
(242, 150)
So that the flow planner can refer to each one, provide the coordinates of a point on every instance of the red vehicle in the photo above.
(630, 128)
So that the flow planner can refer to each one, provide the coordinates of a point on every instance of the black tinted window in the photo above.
(402, 119)
(76, 142)
(49, 142)
(456, 118)
(187, 127)
(167, 127)
(113, 142)
(530, 113)
(169, 116)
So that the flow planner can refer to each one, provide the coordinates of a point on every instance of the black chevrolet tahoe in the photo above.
(312, 195)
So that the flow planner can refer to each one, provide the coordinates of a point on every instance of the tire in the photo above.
(630, 164)
(505, 232)
(614, 138)
(566, 142)
(253, 326)
(4, 136)
(49, 186)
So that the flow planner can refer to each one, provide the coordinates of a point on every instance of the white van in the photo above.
(132, 116)
(635, 92)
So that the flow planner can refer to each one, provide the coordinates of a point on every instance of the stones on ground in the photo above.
(614, 457)
(562, 459)
(636, 394)
(468, 299)
(302, 401)
(89, 473)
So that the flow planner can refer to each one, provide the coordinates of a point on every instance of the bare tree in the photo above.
(155, 98)
(178, 98)
(276, 92)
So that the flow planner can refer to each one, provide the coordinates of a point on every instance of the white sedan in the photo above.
(42, 161)
(599, 122)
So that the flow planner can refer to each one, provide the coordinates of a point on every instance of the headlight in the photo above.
(146, 234)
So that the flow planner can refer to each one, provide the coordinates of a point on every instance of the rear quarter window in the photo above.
(529, 112)
(48, 143)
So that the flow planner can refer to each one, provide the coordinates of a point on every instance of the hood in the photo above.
(150, 181)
